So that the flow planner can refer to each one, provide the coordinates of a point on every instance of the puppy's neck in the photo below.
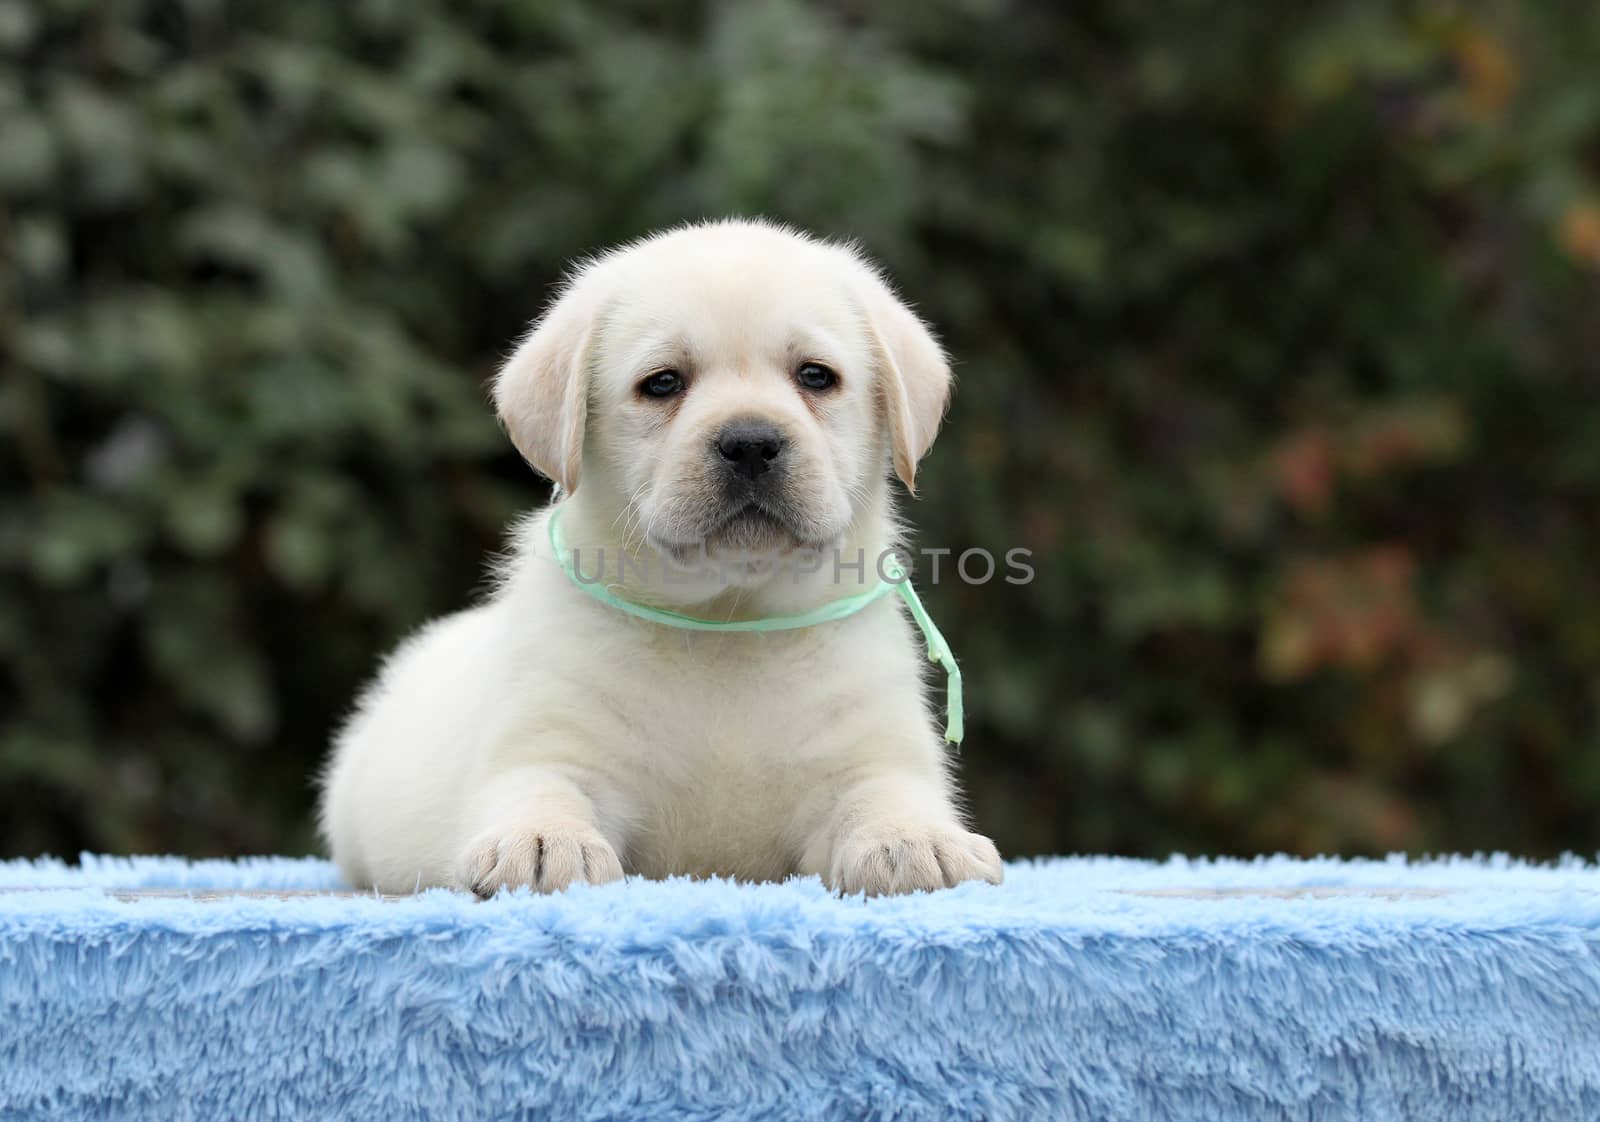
(603, 549)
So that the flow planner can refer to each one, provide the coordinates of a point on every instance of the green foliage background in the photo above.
(1277, 335)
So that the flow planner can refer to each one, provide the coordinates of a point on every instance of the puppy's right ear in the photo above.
(542, 391)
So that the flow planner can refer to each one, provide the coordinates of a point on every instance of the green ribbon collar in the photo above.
(898, 581)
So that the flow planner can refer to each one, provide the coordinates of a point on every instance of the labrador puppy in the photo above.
(715, 402)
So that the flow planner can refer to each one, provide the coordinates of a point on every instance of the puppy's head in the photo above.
(732, 387)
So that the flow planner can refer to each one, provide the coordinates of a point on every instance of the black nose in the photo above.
(750, 448)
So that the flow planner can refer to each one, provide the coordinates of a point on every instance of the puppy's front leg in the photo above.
(895, 831)
(534, 826)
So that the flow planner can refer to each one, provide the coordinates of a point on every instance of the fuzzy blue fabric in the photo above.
(1080, 989)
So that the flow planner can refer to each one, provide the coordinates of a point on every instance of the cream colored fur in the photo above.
(543, 738)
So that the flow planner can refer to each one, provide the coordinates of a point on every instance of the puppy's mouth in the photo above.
(753, 530)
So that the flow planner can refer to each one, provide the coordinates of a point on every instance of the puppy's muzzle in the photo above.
(752, 452)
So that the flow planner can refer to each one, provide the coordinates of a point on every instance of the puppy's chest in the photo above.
(728, 738)
(738, 703)
(723, 807)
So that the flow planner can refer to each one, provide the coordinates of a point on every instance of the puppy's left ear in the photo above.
(913, 377)
(542, 391)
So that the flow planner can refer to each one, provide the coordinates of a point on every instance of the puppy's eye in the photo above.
(815, 376)
(663, 383)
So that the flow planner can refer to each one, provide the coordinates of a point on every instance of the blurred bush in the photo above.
(1277, 335)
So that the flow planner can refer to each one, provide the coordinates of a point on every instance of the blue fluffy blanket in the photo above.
(1080, 989)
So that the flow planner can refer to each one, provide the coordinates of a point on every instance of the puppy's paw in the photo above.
(887, 860)
(543, 860)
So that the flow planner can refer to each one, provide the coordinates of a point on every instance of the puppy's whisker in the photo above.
(637, 533)
(629, 517)
(630, 509)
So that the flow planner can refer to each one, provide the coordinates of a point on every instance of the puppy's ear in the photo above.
(542, 391)
(913, 377)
